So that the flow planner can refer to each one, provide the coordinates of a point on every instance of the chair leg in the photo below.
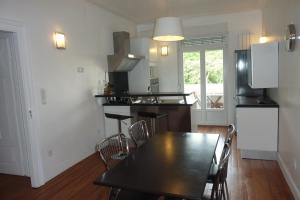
(168, 125)
(215, 158)
(212, 195)
(223, 191)
(215, 191)
(226, 187)
(113, 194)
(153, 126)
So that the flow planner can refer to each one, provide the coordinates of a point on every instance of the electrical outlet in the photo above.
(80, 69)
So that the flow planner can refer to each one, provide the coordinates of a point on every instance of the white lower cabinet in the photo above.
(257, 132)
(111, 125)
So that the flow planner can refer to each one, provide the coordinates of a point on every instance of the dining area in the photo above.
(169, 165)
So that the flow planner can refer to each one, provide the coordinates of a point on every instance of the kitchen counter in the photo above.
(178, 110)
(148, 99)
(253, 102)
(161, 103)
(159, 94)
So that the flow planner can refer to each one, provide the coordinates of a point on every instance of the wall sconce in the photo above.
(263, 39)
(164, 50)
(290, 38)
(59, 40)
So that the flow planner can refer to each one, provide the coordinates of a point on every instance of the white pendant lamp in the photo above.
(168, 29)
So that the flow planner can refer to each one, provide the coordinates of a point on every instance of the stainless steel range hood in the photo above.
(123, 60)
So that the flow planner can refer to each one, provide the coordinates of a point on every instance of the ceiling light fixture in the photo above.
(168, 29)
(263, 39)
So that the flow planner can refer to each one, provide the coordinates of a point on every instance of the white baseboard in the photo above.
(288, 178)
(261, 155)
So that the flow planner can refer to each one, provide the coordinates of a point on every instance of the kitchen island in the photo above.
(176, 105)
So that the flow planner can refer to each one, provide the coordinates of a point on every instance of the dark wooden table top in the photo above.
(170, 164)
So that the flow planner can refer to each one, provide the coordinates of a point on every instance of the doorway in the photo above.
(203, 70)
(13, 149)
(24, 113)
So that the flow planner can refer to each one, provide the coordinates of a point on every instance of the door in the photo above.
(203, 75)
(11, 150)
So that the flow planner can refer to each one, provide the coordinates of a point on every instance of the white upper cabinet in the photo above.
(263, 72)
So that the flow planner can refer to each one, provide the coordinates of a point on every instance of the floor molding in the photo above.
(288, 178)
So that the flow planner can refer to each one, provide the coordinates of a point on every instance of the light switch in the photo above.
(43, 96)
(1, 135)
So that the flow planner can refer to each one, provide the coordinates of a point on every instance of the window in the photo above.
(214, 79)
(192, 78)
(203, 76)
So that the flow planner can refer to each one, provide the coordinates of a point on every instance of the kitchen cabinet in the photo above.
(140, 77)
(257, 132)
(263, 71)
(111, 125)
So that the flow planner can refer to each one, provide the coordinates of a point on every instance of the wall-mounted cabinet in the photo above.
(263, 71)
(139, 78)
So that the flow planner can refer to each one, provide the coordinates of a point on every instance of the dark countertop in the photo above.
(253, 102)
(160, 94)
(179, 103)
(148, 99)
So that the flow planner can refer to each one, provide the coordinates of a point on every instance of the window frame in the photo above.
(202, 49)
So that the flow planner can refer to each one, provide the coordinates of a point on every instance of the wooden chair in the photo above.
(228, 139)
(217, 178)
(218, 175)
(139, 133)
(230, 133)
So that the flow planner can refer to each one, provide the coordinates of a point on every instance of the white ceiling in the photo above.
(144, 11)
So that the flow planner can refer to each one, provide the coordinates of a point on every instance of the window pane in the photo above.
(214, 79)
(191, 71)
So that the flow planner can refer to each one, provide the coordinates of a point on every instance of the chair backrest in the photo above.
(139, 132)
(223, 165)
(230, 134)
(111, 146)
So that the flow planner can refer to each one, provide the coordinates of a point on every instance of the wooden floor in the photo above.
(247, 180)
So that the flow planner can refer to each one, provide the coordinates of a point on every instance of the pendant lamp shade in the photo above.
(168, 29)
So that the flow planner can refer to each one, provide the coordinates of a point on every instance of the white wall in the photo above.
(233, 24)
(168, 68)
(277, 14)
(71, 122)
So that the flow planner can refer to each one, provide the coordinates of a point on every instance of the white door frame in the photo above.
(29, 116)
(203, 48)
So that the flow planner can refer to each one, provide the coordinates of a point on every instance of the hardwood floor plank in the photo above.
(247, 179)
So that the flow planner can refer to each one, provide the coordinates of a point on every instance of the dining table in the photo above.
(173, 164)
